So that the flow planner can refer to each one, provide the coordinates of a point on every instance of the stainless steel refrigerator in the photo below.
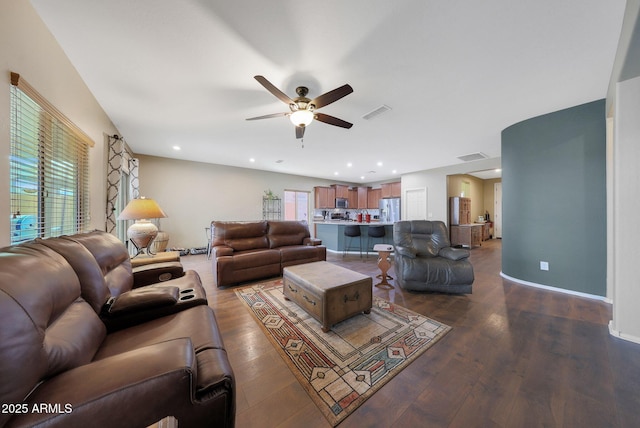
(390, 210)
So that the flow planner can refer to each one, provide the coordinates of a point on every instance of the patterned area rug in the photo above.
(341, 369)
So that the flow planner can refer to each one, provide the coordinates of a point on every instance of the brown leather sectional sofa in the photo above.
(245, 251)
(81, 346)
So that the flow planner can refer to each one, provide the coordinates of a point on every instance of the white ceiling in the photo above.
(455, 74)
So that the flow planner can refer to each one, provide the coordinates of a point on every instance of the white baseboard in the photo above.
(559, 290)
(621, 335)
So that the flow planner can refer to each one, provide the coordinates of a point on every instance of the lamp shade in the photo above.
(301, 118)
(142, 208)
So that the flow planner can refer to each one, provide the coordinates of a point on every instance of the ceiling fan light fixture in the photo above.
(301, 118)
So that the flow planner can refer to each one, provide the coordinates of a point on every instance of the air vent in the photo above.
(473, 157)
(377, 112)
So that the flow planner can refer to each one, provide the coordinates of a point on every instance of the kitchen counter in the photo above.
(332, 234)
(343, 222)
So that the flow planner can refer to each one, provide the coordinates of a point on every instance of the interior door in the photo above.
(497, 213)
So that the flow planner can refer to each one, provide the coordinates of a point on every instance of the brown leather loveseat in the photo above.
(244, 251)
(80, 346)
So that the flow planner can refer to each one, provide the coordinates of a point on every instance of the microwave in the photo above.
(342, 203)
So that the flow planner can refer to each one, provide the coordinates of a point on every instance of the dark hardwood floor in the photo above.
(517, 356)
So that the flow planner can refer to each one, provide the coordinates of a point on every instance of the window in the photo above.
(296, 205)
(49, 168)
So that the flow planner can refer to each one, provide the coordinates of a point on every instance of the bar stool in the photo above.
(375, 232)
(352, 231)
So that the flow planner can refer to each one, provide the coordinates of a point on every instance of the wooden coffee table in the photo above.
(328, 292)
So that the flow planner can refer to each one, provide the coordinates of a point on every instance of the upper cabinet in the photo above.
(373, 198)
(325, 197)
(341, 190)
(352, 198)
(390, 190)
(363, 197)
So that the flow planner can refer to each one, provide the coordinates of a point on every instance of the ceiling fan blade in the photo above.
(332, 120)
(300, 131)
(269, 116)
(275, 91)
(331, 96)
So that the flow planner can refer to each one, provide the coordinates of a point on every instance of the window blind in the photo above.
(49, 168)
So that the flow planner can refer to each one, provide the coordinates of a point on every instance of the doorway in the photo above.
(296, 205)
(497, 213)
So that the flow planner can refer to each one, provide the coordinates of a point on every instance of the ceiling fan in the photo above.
(304, 110)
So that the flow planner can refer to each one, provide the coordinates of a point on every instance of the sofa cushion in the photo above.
(73, 339)
(46, 328)
(92, 283)
(276, 241)
(302, 252)
(198, 322)
(284, 233)
(112, 257)
(243, 244)
(240, 236)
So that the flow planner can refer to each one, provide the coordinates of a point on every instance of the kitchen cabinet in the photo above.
(325, 197)
(352, 198)
(341, 190)
(363, 198)
(486, 230)
(391, 190)
(466, 235)
(459, 210)
(373, 198)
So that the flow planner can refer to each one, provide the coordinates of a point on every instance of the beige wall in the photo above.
(436, 183)
(193, 194)
(27, 48)
(481, 193)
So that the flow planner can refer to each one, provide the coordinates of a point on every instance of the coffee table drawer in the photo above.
(310, 302)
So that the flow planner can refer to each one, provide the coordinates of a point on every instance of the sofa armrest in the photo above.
(141, 299)
(453, 253)
(406, 251)
(148, 274)
(221, 250)
(312, 241)
(135, 388)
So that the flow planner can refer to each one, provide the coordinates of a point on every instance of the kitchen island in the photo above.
(332, 234)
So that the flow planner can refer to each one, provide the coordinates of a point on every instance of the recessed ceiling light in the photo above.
(336, 173)
(176, 148)
(349, 164)
(394, 172)
(379, 164)
(252, 160)
(362, 177)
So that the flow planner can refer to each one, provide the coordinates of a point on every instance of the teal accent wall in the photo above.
(554, 199)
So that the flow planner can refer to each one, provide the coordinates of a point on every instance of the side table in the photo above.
(163, 257)
(384, 263)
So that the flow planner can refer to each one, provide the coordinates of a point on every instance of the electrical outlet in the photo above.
(544, 265)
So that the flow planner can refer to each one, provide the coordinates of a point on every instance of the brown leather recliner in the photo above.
(245, 251)
(61, 367)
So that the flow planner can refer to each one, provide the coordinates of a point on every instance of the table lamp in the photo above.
(142, 232)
